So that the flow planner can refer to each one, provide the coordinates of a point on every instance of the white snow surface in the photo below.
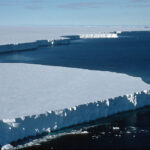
(36, 99)
(27, 34)
(54, 42)
(27, 89)
(17, 38)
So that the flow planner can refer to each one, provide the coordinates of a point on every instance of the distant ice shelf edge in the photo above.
(18, 128)
(62, 41)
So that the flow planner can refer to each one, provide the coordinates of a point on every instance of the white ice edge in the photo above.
(13, 129)
(18, 128)
(59, 41)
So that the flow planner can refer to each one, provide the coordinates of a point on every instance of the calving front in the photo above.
(45, 98)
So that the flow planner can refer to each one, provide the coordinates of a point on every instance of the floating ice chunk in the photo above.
(116, 128)
(7, 147)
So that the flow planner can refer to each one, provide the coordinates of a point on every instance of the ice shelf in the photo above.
(36, 99)
(60, 41)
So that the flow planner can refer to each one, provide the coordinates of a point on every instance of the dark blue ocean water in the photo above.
(129, 54)
(130, 130)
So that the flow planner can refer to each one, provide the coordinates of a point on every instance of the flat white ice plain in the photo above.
(36, 99)
(27, 89)
(26, 34)
(18, 38)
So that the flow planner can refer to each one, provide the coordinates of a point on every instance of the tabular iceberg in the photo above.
(60, 41)
(45, 98)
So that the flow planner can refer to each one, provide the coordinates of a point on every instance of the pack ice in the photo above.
(36, 99)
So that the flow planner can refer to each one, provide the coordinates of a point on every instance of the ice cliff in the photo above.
(61, 41)
(36, 99)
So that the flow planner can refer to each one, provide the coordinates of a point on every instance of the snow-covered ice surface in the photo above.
(59, 41)
(24, 34)
(37, 99)
(28, 37)
(37, 88)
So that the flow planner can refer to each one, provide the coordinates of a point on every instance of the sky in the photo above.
(74, 12)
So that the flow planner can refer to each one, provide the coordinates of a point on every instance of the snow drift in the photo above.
(72, 96)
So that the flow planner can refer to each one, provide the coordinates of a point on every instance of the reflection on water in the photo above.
(122, 131)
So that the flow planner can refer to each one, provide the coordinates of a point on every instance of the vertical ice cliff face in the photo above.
(24, 46)
(14, 129)
(61, 41)
(103, 35)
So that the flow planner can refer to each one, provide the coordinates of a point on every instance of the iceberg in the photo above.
(59, 41)
(36, 99)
